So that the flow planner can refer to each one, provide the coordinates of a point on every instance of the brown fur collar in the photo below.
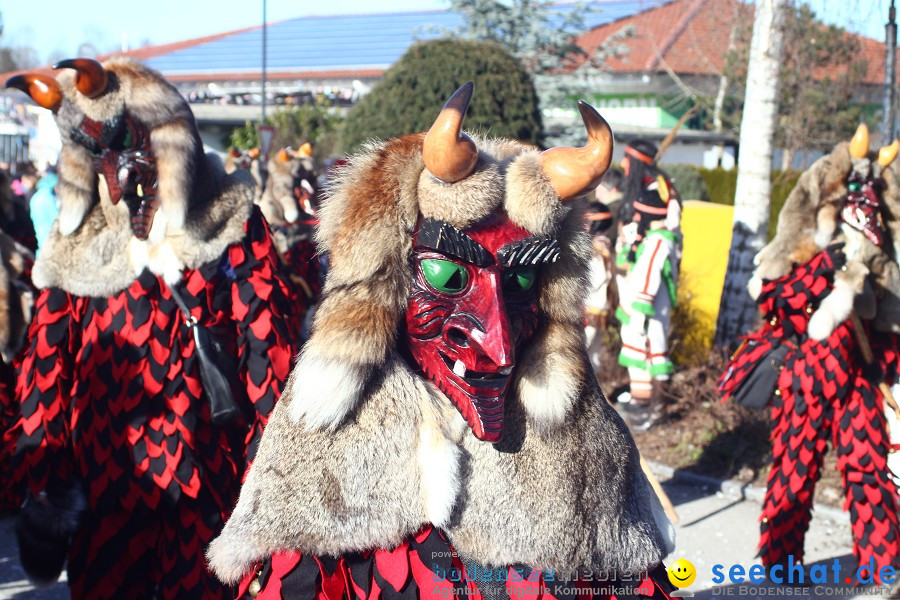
(576, 498)
(102, 257)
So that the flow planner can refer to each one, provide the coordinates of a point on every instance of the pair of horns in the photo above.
(859, 147)
(90, 80)
(451, 155)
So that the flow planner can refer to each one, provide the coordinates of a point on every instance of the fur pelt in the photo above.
(102, 257)
(810, 221)
(184, 176)
(361, 451)
(16, 297)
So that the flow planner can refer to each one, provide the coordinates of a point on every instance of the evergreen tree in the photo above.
(412, 92)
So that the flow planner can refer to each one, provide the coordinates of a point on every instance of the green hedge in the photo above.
(721, 185)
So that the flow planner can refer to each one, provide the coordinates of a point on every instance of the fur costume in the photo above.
(825, 391)
(115, 435)
(288, 203)
(366, 462)
(16, 300)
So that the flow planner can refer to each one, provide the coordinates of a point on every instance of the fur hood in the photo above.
(91, 250)
(361, 451)
(810, 221)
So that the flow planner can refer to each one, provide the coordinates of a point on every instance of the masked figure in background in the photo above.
(647, 297)
(601, 294)
(640, 170)
(828, 286)
(444, 403)
(288, 204)
(246, 160)
(16, 300)
(129, 473)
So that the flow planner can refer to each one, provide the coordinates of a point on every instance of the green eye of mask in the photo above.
(519, 280)
(445, 276)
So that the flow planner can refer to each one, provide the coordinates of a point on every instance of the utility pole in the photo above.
(264, 152)
(890, 74)
(262, 120)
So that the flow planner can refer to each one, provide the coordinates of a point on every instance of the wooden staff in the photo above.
(667, 141)
(866, 348)
(660, 493)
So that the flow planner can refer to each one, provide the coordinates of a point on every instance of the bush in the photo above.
(412, 91)
(688, 182)
(313, 123)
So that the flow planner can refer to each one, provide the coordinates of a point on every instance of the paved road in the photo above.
(714, 529)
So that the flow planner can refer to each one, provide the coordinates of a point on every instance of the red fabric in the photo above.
(111, 397)
(424, 566)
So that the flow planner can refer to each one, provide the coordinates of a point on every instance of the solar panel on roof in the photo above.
(339, 43)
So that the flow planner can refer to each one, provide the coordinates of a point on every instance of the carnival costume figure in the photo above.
(647, 297)
(288, 203)
(602, 291)
(129, 474)
(442, 424)
(828, 286)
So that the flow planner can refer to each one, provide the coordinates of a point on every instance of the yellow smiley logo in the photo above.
(682, 573)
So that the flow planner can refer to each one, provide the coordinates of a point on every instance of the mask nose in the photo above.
(483, 334)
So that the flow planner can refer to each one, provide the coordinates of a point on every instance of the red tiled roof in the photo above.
(691, 38)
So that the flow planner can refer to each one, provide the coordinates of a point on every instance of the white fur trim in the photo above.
(823, 238)
(548, 393)
(70, 218)
(231, 557)
(291, 213)
(161, 259)
(835, 309)
(439, 463)
(330, 390)
(754, 286)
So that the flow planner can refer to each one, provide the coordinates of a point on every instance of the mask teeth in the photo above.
(459, 368)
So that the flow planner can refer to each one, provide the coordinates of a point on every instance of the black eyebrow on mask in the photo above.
(528, 252)
(449, 240)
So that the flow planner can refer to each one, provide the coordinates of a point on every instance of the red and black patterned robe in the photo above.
(111, 399)
(427, 566)
(825, 393)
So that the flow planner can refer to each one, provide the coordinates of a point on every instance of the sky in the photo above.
(57, 28)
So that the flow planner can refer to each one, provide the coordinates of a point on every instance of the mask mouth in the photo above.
(495, 380)
(141, 209)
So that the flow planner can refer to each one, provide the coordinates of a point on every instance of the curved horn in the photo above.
(43, 89)
(449, 154)
(859, 144)
(90, 78)
(576, 171)
(887, 154)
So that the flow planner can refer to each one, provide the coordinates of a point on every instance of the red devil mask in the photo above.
(472, 309)
(124, 157)
(861, 208)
